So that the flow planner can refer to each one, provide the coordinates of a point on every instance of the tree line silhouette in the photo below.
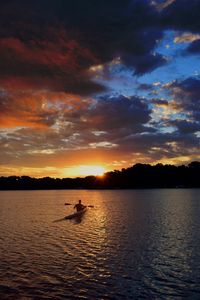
(137, 176)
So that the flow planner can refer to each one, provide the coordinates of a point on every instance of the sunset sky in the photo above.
(88, 86)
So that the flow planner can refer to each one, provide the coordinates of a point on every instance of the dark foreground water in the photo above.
(131, 245)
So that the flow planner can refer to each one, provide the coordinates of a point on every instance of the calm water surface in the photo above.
(131, 245)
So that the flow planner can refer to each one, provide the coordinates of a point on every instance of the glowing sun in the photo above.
(91, 170)
(83, 171)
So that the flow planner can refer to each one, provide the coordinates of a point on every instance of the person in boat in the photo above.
(79, 206)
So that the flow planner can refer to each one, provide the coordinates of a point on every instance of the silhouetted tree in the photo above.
(137, 176)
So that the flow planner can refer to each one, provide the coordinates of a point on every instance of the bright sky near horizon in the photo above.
(92, 86)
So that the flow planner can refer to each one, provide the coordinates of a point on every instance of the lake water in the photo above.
(133, 244)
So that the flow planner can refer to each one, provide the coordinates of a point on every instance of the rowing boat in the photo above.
(76, 214)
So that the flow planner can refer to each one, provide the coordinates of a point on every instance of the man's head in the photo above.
(79, 201)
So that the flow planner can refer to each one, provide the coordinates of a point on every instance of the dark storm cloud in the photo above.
(161, 145)
(74, 35)
(119, 112)
(184, 14)
(57, 65)
(191, 86)
(143, 63)
(194, 47)
(111, 118)
(187, 96)
(50, 44)
(185, 127)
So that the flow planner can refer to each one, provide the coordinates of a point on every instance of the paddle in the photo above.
(92, 206)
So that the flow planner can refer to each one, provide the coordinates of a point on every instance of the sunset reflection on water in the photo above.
(127, 240)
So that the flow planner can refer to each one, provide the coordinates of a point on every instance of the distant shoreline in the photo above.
(139, 176)
(102, 189)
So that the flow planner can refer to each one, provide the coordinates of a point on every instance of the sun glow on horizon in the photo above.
(85, 170)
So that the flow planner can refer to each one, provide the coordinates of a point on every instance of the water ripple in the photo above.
(132, 245)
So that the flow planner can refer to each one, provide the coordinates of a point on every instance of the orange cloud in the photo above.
(37, 109)
(59, 63)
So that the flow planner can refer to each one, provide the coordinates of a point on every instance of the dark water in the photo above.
(142, 244)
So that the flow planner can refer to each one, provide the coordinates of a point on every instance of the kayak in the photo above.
(77, 214)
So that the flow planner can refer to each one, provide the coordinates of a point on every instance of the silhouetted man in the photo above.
(79, 206)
